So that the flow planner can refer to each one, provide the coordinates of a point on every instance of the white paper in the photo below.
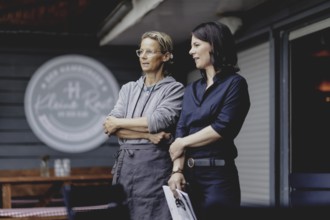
(181, 208)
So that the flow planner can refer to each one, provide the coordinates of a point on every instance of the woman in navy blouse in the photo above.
(213, 112)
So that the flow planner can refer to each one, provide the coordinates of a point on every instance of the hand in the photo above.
(176, 149)
(176, 181)
(110, 125)
(158, 137)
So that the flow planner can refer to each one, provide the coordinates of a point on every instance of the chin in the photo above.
(198, 66)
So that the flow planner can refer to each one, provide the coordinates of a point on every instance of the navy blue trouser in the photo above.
(211, 189)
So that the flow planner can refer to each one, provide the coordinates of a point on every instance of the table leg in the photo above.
(6, 195)
(46, 198)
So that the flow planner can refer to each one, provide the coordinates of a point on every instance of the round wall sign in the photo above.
(67, 100)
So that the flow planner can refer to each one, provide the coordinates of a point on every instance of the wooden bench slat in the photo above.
(24, 188)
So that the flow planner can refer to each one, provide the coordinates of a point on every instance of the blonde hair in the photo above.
(164, 40)
(166, 46)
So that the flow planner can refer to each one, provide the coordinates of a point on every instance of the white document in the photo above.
(181, 208)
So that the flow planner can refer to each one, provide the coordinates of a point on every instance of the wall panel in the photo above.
(19, 146)
(253, 142)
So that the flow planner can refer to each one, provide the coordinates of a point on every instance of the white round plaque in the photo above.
(67, 100)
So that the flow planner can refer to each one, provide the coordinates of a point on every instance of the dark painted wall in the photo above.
(20, 56)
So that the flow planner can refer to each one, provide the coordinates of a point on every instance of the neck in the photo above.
(151, 80)
(210, 73)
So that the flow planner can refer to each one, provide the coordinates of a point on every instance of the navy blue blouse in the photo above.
(224, 106)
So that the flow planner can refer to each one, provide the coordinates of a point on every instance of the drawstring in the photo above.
(137, 100)
(149, 94)
(152, 89)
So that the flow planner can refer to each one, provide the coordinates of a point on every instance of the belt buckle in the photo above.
(191, 162)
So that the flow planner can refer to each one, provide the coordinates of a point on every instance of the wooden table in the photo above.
(55, 182)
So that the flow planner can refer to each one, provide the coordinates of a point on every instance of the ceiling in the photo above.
(116, 22)
(54, 16)
(176, 17)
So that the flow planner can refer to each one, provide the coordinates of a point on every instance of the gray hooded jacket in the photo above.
(161, 104)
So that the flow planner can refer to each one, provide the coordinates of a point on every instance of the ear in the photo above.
(167, 56)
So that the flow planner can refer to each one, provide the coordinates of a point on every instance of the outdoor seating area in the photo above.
(26, 194)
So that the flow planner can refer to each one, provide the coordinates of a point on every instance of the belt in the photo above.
(205, 162)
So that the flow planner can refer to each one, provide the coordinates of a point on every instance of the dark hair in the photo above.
(219, 36)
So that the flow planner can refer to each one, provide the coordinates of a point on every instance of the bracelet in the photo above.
(177, 171)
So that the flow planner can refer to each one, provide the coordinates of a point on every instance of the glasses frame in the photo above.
(148, 53)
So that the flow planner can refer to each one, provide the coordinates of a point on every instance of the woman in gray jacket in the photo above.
(144, 119)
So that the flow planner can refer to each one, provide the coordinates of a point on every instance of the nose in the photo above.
(191, 51)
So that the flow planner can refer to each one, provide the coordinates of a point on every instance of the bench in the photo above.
(25, 194)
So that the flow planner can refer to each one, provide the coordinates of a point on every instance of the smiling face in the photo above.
(200, 51)
(151, 57)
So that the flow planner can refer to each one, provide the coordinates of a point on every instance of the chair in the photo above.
(310, 190)
(89, 202)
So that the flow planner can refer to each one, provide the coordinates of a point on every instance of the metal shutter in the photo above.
(253, 142)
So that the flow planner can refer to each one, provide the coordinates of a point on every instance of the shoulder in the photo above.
(194, 84)
(236, 82)
(238, 76)
(178, 84)
(127, 86)
(170, 82)
(131, 84)
(235, 78)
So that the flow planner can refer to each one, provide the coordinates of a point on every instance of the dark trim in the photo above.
(301, 12)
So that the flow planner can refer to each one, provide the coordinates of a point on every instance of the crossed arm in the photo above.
(132, 128)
